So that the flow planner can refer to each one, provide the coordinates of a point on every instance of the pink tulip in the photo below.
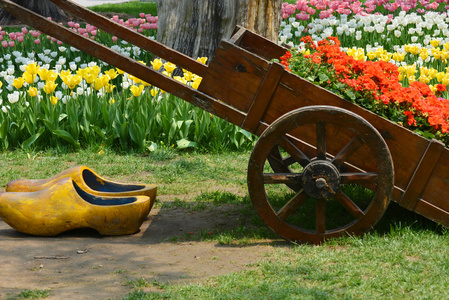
(5, 44)
(11, 44)
(142, 15)
(2, 32)
(93, 32)
(114, 39)
(20, 39)
(59, 43)
(24, 30)
(434, 5)
(53, 39)
(37, 41)
(140, 30)
(12, 35)
(34, 33)
(71, 24)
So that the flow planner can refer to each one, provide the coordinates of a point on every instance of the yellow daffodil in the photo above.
(157, 64)
(32, 68)
(18, 82)
(136, 90)
(32, 91)
(169, 67)
(50, 87)
(202, 60)
(53, 100)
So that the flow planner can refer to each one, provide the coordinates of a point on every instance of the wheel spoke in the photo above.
(321, 140)
(288, 161)
(292, 205)
(347, 151)
(294, 152)
(369, 178)
(274, 178)
(350, 206)
(320, 216)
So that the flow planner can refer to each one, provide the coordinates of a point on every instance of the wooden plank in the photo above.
(263, 97)
(234, 76)
(432, 212)
(132, 37)
(260, 46)
(237, 35)
(421, 175)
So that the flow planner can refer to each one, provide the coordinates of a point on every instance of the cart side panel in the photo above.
(434, 201)
(234, 76)
(260, 46)
(406, 147)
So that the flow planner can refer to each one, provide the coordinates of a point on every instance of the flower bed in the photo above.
(389, 58)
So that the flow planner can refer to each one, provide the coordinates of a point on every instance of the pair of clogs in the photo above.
(75, 198)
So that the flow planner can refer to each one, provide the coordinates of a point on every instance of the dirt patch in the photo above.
(81, 264)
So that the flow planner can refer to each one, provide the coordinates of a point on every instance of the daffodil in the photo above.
(136, 90)
(50, 87)
(157, 64)
(32, 91)
(18, 82)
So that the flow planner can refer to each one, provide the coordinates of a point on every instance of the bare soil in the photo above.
(81, 264)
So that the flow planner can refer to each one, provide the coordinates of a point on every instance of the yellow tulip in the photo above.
(169, 67)
(398, 56)
(371, 55)
(28, 77)
(47, 75)
(202, 60)
(53, 100)
(18, 82)
(50, 87)
(65, 73)
(188, 75)
(120, 71)
(1, 84)
(109, 88)
(136, 90)
(71, 80)
(424, 54)
(435, 43)
(32, 68)
(135, 79)
(32, 91)
(111, 73)
(157, 64)
(99, 83)
(154, 92)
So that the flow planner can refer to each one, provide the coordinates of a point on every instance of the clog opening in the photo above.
(98, 184)
(103, 201)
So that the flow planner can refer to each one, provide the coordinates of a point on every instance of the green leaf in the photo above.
(182, 144)
(29, 141)
(67, 137)
(323, 77)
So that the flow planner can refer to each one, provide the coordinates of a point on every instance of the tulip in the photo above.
(50, 87)
(136, 90)
(18, 82)
(157, 64)
(32, 91)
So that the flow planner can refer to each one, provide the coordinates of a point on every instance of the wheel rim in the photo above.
(323, 180)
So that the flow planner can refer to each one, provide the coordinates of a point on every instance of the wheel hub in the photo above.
(321, 179)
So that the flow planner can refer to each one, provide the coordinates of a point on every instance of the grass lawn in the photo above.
(405, 256)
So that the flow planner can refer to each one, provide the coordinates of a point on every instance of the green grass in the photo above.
(405, 256)
(32, 294)
(133, 8)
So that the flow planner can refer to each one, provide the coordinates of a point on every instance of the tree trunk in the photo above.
(196, 27)
(45, 8)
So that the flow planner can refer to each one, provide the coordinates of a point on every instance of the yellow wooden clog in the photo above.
(63, 206)
(87, 180)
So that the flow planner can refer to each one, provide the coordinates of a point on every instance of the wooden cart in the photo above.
(311, 142)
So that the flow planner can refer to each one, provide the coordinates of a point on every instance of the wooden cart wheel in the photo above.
(320, 199)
